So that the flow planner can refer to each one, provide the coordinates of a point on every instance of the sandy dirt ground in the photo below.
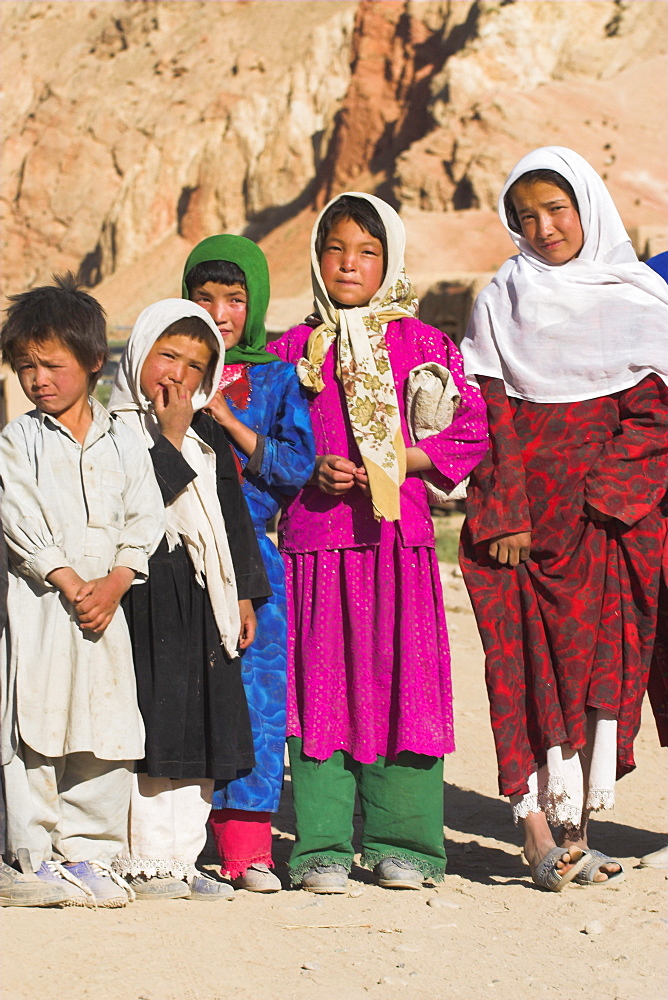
(486, 932)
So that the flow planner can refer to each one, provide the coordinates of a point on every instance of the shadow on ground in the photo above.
(468, 812)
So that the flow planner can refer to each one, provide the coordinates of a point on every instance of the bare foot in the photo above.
(575, 839)
(538, 841)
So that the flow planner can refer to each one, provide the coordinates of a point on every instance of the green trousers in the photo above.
(401, 803)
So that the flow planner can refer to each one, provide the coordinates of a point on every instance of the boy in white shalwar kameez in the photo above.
(82, 512)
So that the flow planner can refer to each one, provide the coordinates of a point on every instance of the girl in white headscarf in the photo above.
(561, 549)
(195, 613)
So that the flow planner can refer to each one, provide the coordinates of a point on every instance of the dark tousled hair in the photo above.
(63, 312)
(550, 177)
(221, 272)
(197, 329)
(360, 211)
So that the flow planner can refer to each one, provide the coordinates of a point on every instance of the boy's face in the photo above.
(53, 379)
(351, 264)
(227, 305)
(174, 360)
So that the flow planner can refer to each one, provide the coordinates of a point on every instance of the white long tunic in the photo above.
(92, 507)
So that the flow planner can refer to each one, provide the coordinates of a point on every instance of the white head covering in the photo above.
(194, 517)
(363, 362)
(564, 332)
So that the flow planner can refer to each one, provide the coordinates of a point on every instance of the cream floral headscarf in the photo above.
(363, 363)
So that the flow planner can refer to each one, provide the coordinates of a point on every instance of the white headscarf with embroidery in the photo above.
(363, 365)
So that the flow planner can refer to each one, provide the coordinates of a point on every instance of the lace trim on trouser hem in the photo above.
(554, 801)
(429, 871)
(129, 867)
(236, 869)
(600, 798)
(297, 873)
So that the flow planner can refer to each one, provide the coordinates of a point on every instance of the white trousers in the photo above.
(71, 808)
(573, 781)
(167, 825)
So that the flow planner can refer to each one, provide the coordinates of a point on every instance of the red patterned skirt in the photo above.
(572, 629)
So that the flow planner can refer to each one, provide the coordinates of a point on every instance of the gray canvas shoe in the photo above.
(207, 889)
(258, 878)
(160, 886)
(325, 879)
(25, 889)
(398, 873)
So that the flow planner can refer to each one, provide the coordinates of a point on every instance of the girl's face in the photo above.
(351, 264)
(550, 221)
(174, 360)
(227, 305)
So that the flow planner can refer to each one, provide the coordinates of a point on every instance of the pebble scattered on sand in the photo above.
(312, 904)
(311, 966)
(594, 927)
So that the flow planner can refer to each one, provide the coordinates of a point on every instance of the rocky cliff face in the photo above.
(527, 74)
(136, 128)
(132, 121)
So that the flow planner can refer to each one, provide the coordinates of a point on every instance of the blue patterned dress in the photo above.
(276, 408)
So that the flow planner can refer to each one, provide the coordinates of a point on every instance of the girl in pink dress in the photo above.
(369, 694)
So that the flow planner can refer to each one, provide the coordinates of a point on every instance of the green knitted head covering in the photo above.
(247, 255)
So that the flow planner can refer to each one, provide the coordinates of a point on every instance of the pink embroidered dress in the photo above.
(368, 654)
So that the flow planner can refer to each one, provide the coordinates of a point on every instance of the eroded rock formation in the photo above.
(133, 129)
(128, 122)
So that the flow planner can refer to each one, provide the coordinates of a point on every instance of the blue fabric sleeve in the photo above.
(289, 449)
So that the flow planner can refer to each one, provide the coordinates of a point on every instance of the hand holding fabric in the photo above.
(334, 475)
(511, 550)
(362, 480)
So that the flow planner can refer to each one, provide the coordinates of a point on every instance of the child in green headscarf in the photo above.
(263, 409)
